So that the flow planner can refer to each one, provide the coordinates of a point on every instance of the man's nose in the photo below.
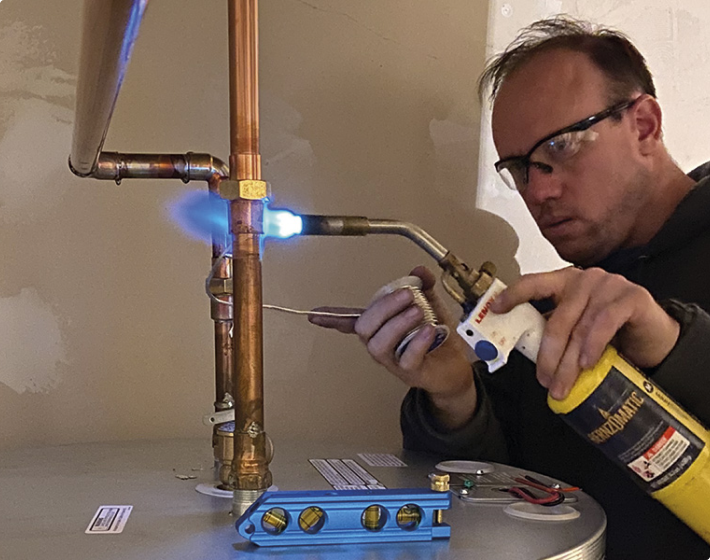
(543, 184)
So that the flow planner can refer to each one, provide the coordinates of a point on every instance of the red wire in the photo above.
(530, 481)
(553, 499)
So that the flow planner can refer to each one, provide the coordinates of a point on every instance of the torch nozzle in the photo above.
(314, 224)
(472, 284)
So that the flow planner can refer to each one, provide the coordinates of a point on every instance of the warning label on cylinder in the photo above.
(657, 460)
(625, 422)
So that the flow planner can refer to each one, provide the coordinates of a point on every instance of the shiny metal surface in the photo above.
(472, 284)
(250, 467)
(109, 32)
(359, 225)
(412, 232)
(114, 166)
(47, 510)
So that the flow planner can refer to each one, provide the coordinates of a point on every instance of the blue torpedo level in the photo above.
(345, 517)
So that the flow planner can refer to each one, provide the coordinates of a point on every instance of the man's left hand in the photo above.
(593, 308)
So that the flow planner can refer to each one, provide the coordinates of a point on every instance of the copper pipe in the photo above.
(244, 160)
(114, 166)
(221, 310)
(223, 363)
(109, 33)
(222, 315)
(110, 30)
(250, 473)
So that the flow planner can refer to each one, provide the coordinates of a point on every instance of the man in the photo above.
(578, 128)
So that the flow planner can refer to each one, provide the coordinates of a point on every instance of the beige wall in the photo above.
(367, 108)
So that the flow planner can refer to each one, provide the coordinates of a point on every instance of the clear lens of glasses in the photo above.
(563, 147)
(508, 178)
(555, 152)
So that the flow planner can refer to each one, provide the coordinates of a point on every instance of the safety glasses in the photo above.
(555, 149)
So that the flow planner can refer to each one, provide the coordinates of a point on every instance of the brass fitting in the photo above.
(221, 286)
(439, 482)
(224, 453)
(470, 284)
(245, 189)
(486, 275)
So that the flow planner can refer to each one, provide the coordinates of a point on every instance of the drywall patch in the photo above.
(27, 66)
(35, 124)
(33, 169)
(31, 346)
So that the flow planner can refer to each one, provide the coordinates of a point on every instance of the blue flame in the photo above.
(204, 216)
(281, 223)
(201, 215)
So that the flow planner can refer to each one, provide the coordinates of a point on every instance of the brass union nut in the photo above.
(439, 482)
(247, 189)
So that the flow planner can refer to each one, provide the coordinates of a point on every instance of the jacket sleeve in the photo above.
(480, 439)
(685, 372)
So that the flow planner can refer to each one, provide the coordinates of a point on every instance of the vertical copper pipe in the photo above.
(221, 311)
(250, 470)
(223, 363)
(244, 161)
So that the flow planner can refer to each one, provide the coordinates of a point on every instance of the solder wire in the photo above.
(317, 313)
(414, 285)
(225, 254)
(422, 303)
(418, 296)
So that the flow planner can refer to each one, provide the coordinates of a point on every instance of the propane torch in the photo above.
(663, 448)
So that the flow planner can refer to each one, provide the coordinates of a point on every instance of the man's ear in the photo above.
(648, 120)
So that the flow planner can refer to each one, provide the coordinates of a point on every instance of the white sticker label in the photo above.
(109, 520)
(381, 460)
(362, 473)
(661, 456)
(345, 474)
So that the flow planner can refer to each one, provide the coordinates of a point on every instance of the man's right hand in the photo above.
(444, 373)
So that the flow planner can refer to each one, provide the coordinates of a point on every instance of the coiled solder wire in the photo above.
(414, 285)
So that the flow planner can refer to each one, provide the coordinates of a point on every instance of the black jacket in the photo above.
(513, 424)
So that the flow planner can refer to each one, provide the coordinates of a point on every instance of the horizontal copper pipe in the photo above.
(114, 166)
(110, 30)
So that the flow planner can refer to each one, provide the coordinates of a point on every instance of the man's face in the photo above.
(589, 206)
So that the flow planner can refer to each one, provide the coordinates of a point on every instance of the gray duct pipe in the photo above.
(110, 29)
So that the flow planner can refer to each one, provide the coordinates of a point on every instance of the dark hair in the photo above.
(611, 51)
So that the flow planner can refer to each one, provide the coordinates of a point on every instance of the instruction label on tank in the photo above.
(382, 460)
(346, 474)
(109, 520)
(630, 427)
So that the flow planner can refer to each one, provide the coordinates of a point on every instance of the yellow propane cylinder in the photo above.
(639, 427)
